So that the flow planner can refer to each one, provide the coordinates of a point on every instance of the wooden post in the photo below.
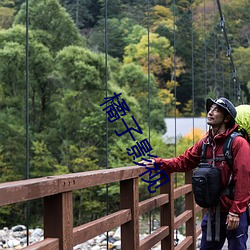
(167, 214)
(129, 198)
(58, 219)
(190, 205)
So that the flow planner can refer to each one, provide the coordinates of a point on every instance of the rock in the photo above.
(111, 239)
(13, 243)
(16, 238)
(18, 228)
(100, 238)
(91, 242)
(38, 232)
(117, 244)
(111, 233)
(18, 234)
(23, 240)
(95, 248)
(117, 235)
(81, 246)
(3, 233)
(103, 243)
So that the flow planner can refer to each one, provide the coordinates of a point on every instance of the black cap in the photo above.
(223, 103)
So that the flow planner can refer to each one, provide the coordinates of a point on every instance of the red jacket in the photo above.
(241, 167)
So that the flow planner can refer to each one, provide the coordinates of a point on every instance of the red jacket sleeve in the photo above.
(185, 162)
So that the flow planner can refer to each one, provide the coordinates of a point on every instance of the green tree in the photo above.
(81, 90)
(135, 81)
(12, 108)
(161, 57)
(6, 17)
(241, 56)
(117, 31)
(84, 13)
(42, 163)
(13, 60)
(161, 16)
(13, 148)
(53, 25)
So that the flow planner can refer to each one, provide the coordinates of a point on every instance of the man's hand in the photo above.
(232, 221)
(148, 163)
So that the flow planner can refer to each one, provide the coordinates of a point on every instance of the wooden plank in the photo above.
(182, 218)
(154, 238)
(167, 212)
(152, 203)
(46, 244)
(190, 205)
(90, 230)
(198, 208)
(24, 190)
(182, 190)
(98, 177)
(185, 244)
(198, 231)
(58, 219)
(129, 197)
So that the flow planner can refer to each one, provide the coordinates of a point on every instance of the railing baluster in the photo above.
(190, 205)
(129, 197)
(58, 219)
(167, 214)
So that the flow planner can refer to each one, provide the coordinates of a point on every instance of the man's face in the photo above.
(215, 116)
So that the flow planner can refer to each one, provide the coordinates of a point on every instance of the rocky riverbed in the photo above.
(16, 238)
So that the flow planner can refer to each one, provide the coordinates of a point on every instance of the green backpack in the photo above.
(243, 120)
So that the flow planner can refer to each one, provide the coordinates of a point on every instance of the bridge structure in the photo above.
(57, 192)
(59, 232)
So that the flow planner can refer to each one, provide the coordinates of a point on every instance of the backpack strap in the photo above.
(203, 152)
(227, 151)
(227, 148)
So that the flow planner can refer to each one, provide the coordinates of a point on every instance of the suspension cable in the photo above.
(174, 74)
(221, 68)
(215, 52)
(205, 50)
(27, 207)
(106, 82)
(149, 121)
(148, 27)
(175, 95)
(229, 53)
(192, 77)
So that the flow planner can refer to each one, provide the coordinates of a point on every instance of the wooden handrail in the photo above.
(24, 190)
(90, 230)
(58, 209)
(46, 244)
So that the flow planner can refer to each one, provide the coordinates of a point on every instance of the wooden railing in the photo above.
(59, 232)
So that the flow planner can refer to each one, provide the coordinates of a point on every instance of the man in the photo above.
(221, 115)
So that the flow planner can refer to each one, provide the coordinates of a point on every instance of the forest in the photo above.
(164, 57)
